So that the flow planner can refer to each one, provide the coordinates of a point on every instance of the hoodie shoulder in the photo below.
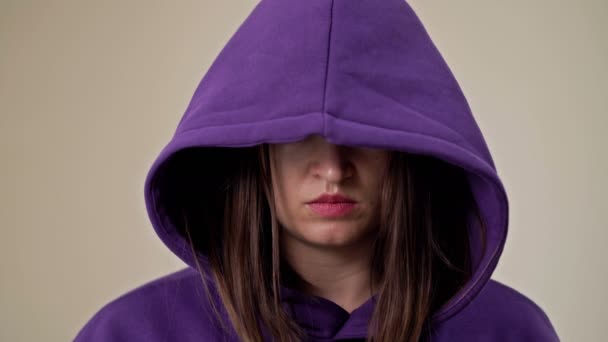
(499, 313)
(170, 308)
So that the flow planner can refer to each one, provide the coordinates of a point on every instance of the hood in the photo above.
(357, 72)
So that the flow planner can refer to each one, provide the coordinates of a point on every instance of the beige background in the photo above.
(90, 91)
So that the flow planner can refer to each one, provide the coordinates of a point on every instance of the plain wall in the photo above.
(90, 91)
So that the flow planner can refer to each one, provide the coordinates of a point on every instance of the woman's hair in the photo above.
(420, 253)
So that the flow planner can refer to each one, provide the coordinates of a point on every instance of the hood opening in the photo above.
(194, 179)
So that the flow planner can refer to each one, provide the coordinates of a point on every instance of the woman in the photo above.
(327, 182)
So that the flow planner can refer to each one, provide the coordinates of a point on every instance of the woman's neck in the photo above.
(341, 275)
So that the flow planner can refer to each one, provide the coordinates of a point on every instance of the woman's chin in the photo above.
(333, 234)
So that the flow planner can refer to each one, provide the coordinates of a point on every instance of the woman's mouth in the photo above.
(335, 209)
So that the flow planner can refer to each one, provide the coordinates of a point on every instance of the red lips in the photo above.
(335, 198)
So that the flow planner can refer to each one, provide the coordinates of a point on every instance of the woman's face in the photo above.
(303, 170)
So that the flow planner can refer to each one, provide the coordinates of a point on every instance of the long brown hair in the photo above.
(420, 255)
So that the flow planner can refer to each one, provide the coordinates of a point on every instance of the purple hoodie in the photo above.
(357, 72)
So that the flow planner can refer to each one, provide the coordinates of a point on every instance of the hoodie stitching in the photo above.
(323, 102)
(469, 152)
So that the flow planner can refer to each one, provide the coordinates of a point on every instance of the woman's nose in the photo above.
(332, 163)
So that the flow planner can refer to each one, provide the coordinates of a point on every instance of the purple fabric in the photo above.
(358, 72)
